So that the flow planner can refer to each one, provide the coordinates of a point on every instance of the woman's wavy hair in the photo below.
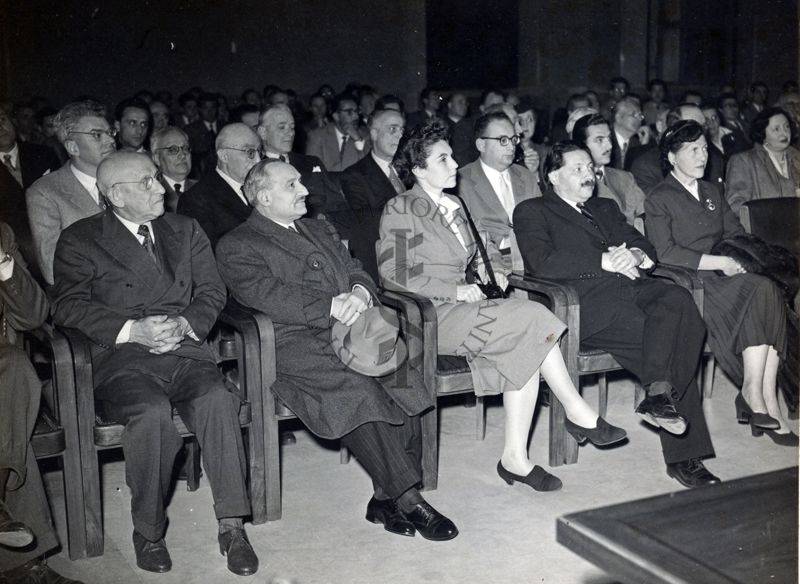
(758, 127)
(415, 147)
(678, 134)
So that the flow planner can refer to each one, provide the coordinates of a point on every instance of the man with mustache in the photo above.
(652, 328)
(59, 199)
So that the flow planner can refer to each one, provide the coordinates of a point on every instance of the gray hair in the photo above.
(69, 116)
(258, 179)
(266, 112)
(158, 138)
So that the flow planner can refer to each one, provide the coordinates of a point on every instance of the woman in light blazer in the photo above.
(427, 247)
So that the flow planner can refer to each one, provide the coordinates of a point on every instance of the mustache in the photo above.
(587, 183)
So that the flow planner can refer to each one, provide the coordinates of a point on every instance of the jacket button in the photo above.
(315, 264)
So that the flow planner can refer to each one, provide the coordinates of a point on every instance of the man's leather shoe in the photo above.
(34, 572)
(431, 524)
(14, 534)
(151, 555)
(242, 560)
(387, 512)
(691, 473)
(657, 410)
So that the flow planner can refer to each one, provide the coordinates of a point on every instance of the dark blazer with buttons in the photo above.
(105, 277)
(215, 206)
(559, 243)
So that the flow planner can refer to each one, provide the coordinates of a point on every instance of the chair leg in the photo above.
(430, 449)
(344, 455)
(272, 448)
(563, 447)
(602, 395)
(480, 418)
(708, 376)
(192, 464)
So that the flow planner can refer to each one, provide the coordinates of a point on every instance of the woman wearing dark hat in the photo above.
(744, 313)
(427, 247)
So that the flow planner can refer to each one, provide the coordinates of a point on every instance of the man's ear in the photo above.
(71, 147)
(117, 126)
(553, 177)
(114, 197)
(480, 144)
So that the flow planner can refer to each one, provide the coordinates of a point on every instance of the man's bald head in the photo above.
(130, 183)
(275, 189)
(233, 135)
(122, 166)
(238, 149)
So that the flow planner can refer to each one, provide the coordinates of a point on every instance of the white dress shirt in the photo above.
(87, 182)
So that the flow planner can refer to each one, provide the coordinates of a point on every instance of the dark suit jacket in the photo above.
(635, 150)
(171, 197)
(462, 141)
(366, 190)
(324, 193)
(559, 243)
(104, 277)
(292, 278)
(214, 205)
(34, 162)
(204, 154)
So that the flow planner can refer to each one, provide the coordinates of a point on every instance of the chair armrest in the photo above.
(256, 344)
(685, 277)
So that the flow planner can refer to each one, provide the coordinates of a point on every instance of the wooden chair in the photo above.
(85, 433)
(255, 333)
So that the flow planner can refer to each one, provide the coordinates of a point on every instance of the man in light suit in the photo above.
(304, 281)
(142, 285)
(60, 198)
(21, 164)
(628, 139)
(343, 143)
(173, 156)
(492, 186)
(652, 328)
(370, 183)
(217, 201)
(593, 133)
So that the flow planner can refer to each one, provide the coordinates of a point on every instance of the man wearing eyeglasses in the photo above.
(343, 143)
(173, 156)
(60, 198)
(143, 286)
(628, 141)
(493, 186)
(217, 201)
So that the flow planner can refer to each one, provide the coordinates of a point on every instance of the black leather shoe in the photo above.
(34, 572)
(14, 534)
(242, 560)
(657, 410)
(431, 524)
(151, 555)
(691, 473)
(603, 434)
(538, 479)
(387, 512)
(746, 415)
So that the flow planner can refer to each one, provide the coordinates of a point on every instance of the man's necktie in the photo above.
(398, 185)
(344, 143)
(506, 196)
(284, 158)
(15, 171)
(147, 243)
(178, 188)
(588, 214)
(623, 152)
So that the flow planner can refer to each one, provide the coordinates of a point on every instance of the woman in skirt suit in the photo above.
(745, 313)
(426, 247)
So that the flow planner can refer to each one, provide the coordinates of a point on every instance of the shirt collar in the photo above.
(134, 227)
(493, 174)
(87, 182)
(13, 153)
(236, 186)
(694, 190)
(172, 182)
(383, 164)
(572, 204)
(447, 204)
(620, 140)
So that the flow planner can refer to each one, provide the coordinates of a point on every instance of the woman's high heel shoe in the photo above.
(746, 415)
(539, 479)
(602, 434)
(787, 439)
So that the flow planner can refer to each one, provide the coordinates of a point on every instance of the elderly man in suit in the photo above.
(276, 129)
(22, 164)
(493, 186)
(370, 183)
(343, 143)
(143, 286)
(653, 329)
(298, 273)
(173, 156)
(26, 528)
(217, 201)
(628, 138)
(60, 198)
(593, 133)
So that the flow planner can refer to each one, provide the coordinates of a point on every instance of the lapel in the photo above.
(766, 162)
(70, 188)
(565, 211)
(518, 186)
(482, 185)
(227, 198)
(438, 223)
(378, 181)
(125, 248)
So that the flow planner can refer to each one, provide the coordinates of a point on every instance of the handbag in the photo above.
(491, 289)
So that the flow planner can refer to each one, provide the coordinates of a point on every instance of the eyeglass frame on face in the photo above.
(174, 150)
(504, 140)
(97, 134)
(251, 152)
(634, 114)
(347, 110)
(146, 183)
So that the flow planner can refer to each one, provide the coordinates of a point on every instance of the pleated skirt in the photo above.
(742, 311)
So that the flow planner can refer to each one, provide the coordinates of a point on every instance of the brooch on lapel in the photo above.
(316, 169)
(710, 205)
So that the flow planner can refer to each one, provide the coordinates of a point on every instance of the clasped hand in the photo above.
(347, 307)
(160, 332)
(619, 259)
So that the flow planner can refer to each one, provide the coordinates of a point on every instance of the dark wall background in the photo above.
(548, 48)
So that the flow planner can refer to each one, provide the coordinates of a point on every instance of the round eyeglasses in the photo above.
(504, 140)
(146, 183)
(98, 134)
(175, 150)
(250, 152)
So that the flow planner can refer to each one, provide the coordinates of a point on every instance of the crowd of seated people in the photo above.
(140, 219)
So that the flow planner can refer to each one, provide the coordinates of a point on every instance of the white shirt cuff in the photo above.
(7, 270)
(366, 293)
(125, 332)
(647, 263)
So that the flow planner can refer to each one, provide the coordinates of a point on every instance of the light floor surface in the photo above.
(508, 533)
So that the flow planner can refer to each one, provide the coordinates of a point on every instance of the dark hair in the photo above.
(336, 103)
(726, 96)
(384, 100)
(580, 130)
(415, 146)
(615, 80)
(240, 110)
(680, 133)
(555, 158)
(483, 122)
(208, 97)
(653, 82)
(685, 95)
(571, 107)
(526, 104)
(45, 112)
(129, 103)
(758, 127)
(183, 98)
(675, 114)
(485, 93)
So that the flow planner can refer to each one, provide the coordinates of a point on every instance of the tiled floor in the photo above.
(507, 533)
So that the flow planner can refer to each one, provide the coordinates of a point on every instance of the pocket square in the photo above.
(316, 169)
